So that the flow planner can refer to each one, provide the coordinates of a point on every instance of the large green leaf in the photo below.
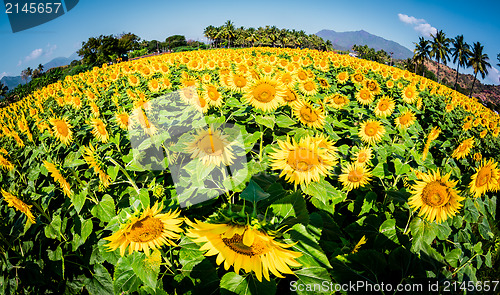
(53, 230)
(325, 196)
(267, 121)
(292, 206)
(284, 121)
(253, 192)
(124, 278)
(101, 282)
(147, 268)
(308, 245)
(232, 283)
(312, 280)
(105, 209)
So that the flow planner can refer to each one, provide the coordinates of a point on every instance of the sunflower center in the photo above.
(62, 128)
(338, 99)
(362, 157)
(211, 145)
(308, 114)
(240, 81)
(302, 159)
(371, 130)
(483, 177)
(213, 94)
(145, 230)
(236, 244)
(323, 82)
(383, 105)
(372, 86)
(435, 194)
(309, 86)
(290, 96)
(355, 176)
(101, 129)
(405, 119)
(264, 92)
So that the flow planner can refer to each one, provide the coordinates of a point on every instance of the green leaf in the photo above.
(309, 246)
(388, 229)
(485, 229)
(311, 277)
(253, 193)
(487, 259)
(401, 168)
(78, 199)
(147, 268)
(453, 257)
(101, 282)
(325, 196)
(53, 230)
(124, 278)
(232, 283)
(105, 209)
(267, 121)
(55, 255)
(284, 121)
(423, 233)
(368, 202)
(292, 206)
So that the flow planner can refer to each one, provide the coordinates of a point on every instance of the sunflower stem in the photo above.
(261, 142)
(124, 172)
(37, 206)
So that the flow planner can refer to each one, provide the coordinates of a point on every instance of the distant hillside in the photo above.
(12, 82)
(345, 40)
(486, 93)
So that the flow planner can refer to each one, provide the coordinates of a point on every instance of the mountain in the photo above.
(345, 41)
(11, 82)
(60, 61)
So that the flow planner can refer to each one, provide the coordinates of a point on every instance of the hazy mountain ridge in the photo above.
(13, 81)
(345, 41)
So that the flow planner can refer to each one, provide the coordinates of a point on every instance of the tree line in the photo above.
(229, 36)
(443, 49)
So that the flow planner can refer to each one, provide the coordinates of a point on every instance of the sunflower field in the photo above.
(247, 171)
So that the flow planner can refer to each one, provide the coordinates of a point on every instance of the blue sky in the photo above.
(400, 21)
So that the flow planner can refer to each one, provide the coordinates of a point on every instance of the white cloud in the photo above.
(50, 49)
(34, 55)
(419, 25)
(494, 75)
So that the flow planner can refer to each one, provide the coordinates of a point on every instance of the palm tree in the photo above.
(479, 62)
(210, 33)
(3, 90)
(25, 74)
(252, 36)
(440, 49)
(460, 53)
(227, 32)
(421, 53)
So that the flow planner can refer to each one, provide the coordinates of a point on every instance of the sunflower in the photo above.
(483, 133)
(212, 95)
(265, 94)
(286, 78)
(99, 130)
(363, 155)
(122, 119)
(302, 162)
(364, 96)
(323, 83)
(406, 119)
(19, 205)
(212, 147)
(486, 178)
(139, 116)
(389, 84)
(149, 230)
(308, 115)
(323, 142)
(154, 85)
(410, 94)
(435, 196)
(385, 107)
(371, 131)
(463, 149)
(477, 157)
(5, 164)
(373, 86)
(342, 77)
(244, 247)
(90, 156)
(354, 175)
(357, 78)
(56, 174)
(337, 101)
(290, 96)
(308, 87)
(133, 81)
(61, 129)
(238, 83)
